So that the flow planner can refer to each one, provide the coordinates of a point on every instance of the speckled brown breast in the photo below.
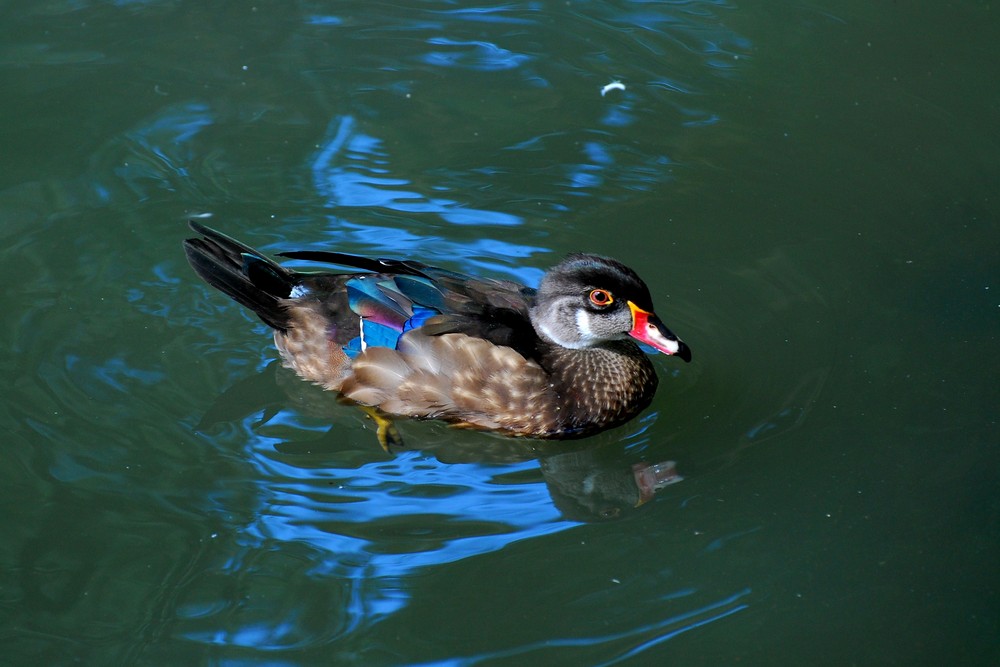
(600, 387)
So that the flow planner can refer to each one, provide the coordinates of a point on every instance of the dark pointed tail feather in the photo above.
(241, 273)
(400, 267)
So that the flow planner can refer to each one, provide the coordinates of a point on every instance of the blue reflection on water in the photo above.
(342, 171)
(498, 14)
(318, 19)
(350, 170)
(381, 521)
(115, 373)
(474, 55)
(395, 242)
(165, 135)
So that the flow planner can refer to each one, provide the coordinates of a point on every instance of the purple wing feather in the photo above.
(368, 299)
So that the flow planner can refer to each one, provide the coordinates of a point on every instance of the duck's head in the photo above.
(588, 300)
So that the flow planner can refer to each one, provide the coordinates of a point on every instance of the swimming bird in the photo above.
(401, 338)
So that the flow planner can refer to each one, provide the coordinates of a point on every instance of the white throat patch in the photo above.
(586, 338)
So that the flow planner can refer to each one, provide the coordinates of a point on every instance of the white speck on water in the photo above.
(614, 85)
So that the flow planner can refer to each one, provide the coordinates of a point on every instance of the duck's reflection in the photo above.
(590, 480)
(585, 490)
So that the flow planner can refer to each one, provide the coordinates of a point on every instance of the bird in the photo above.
(400, 338)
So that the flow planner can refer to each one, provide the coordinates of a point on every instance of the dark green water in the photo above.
(811, 190)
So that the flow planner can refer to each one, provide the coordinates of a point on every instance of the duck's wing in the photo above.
(404, 295)
(493, 310)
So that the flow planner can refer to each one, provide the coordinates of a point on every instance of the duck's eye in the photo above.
(601, 298)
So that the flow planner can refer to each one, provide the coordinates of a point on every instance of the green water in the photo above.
(809, 189)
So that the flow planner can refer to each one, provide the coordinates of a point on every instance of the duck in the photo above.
(400, 338)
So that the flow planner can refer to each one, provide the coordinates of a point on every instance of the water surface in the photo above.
(810, 191)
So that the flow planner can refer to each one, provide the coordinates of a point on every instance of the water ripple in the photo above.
(629, 643)
(476, 55)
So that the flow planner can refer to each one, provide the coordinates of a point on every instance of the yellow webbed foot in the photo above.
(386, 431)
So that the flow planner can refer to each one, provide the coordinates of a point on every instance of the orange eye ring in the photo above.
(601, 298)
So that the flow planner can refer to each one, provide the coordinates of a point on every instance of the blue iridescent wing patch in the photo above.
(420, 290)
(420, 316)
(386, 309)
(369, 300)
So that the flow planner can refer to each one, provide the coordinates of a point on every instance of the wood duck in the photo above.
(403, 338)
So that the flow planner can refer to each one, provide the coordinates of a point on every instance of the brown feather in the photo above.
(452, 377)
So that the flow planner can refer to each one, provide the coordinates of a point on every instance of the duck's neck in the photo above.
(600, 387)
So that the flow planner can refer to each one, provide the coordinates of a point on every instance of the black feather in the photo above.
(241, 273)
(394, 266)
